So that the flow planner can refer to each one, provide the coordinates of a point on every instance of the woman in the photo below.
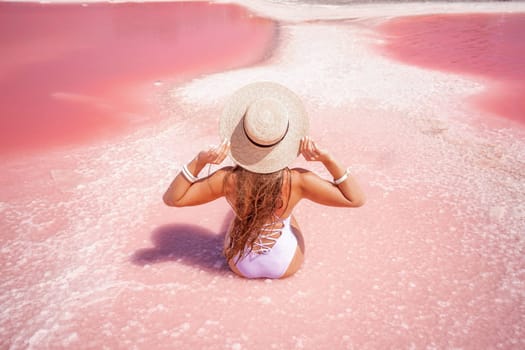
(264, 127)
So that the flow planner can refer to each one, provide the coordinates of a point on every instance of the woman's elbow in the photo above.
(357, 202)
(170, 202)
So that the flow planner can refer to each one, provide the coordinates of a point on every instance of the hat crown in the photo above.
(266, 122)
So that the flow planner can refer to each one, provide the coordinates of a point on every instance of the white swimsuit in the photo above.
(265, 260)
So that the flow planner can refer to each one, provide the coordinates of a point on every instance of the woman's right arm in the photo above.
(183, 192)
(347, 193)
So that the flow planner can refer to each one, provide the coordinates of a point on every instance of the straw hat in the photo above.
(264, 122)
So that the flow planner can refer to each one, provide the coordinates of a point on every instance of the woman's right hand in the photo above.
(311, 152)
(214, 154)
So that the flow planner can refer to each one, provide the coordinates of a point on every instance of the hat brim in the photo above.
(245, 153)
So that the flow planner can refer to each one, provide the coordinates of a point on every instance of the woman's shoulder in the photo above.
(301, 176)
(307, 180)
(300, 173)
(224, 175)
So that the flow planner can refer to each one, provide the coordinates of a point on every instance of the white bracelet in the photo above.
(342, 178)
(188, 175)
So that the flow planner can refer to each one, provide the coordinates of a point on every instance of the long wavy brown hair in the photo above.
(255, 198)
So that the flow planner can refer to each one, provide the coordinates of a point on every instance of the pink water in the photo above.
(483, 45)
(92, 259)
(70, 73)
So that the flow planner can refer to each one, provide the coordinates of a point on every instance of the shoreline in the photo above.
(325, 12)
(307, 12)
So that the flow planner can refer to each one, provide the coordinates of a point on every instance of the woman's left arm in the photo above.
(187, 190)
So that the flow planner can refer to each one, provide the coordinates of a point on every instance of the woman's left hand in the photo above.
(214, 154)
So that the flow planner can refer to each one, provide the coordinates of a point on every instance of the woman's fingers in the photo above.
(314, 148)
(309, 149)
(223, 149)
(223, 152)
(219, 153)
(304, 147)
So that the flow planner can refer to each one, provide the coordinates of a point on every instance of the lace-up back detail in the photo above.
(268, 237)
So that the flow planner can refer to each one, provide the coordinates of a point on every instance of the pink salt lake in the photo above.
(102, 103)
